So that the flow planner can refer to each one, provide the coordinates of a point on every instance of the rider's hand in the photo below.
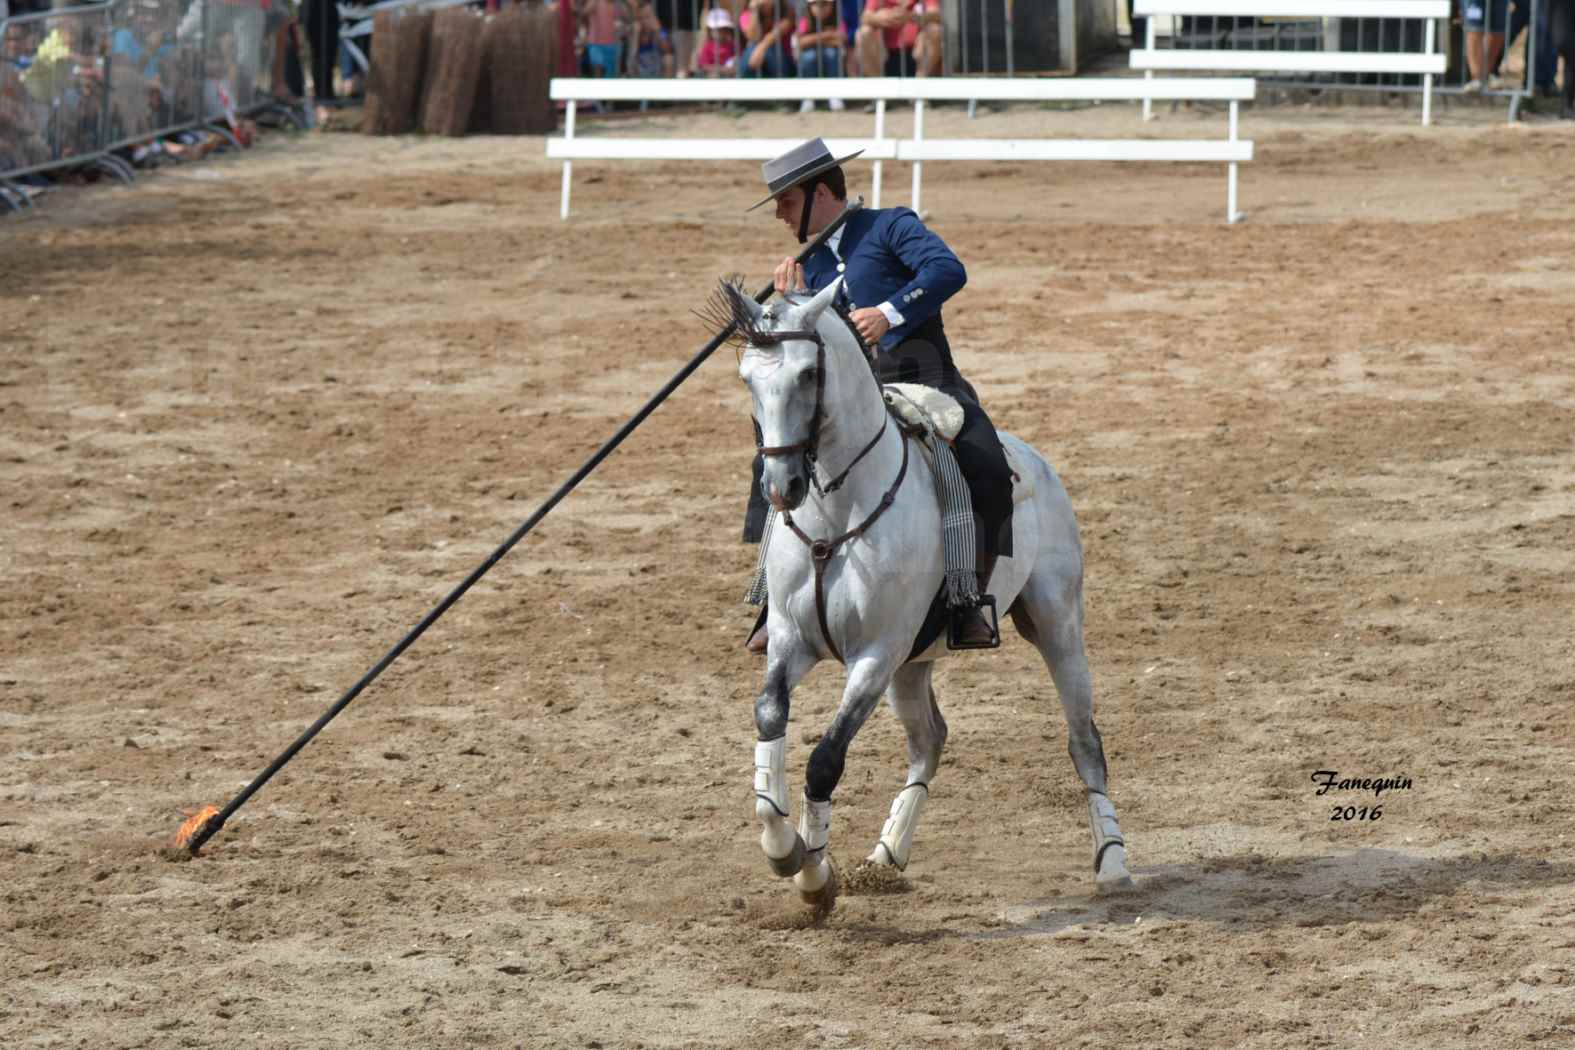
(789, 277)
(871, 323)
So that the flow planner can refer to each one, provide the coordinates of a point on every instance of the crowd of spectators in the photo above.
(176, 62)
(137, 76)
(759, 38)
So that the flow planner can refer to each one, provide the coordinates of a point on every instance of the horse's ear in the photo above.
(744, 309)
(810, 312)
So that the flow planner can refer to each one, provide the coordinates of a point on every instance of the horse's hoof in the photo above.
(824, 899)
(1115, 886)
(1112, 876)
(792, 864)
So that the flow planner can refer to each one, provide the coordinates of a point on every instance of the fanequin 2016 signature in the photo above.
(1329, 780)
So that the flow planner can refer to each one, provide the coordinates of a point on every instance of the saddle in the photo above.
(926, 410)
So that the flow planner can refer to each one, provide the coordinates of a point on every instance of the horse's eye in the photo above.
(808, 376)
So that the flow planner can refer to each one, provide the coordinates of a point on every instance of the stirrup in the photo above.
(954, 629)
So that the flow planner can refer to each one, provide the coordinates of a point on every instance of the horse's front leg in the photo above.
(783, 846)
(868, 679)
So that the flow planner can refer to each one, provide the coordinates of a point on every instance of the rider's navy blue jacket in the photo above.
(889, 256)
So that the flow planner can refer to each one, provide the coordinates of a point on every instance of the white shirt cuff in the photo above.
(891, 314)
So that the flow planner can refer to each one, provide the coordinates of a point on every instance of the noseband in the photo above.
(810, 446)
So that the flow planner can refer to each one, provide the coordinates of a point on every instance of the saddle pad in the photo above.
(924, 406)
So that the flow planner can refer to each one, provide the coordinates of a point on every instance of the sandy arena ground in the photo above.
(259, 414)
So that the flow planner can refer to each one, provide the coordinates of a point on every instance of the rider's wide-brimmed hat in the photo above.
(796, 165)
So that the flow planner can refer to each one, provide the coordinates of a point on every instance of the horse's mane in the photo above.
(727, 308)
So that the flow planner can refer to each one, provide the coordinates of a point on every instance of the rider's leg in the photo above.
(758, 593)
(978, 451)
(757, 522)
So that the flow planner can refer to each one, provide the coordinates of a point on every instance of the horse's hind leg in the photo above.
(913, 702)
(1049, 613)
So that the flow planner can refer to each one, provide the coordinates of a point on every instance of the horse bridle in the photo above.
(821, 551)
(810, 446)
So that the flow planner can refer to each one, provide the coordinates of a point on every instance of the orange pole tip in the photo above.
(194, 823)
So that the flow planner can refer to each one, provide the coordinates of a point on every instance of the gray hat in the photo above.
(797, 164)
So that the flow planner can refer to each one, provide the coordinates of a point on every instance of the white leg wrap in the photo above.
(896, 837)
(771, 797)
(1110, 853)
(814, 827)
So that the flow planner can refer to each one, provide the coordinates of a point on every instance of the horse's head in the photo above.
(790, 366)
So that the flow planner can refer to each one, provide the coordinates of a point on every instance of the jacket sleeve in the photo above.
(938, 274)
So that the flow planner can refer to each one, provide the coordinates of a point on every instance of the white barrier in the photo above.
(1230, 151)
(1428, 63)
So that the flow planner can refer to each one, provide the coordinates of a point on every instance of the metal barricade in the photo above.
(240, 40)
(80, 82)
(53, 80)
(1387, 36)
(156, 58)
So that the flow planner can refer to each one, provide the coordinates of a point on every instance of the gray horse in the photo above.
(852, 576)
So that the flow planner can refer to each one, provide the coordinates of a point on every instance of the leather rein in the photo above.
(821, 551)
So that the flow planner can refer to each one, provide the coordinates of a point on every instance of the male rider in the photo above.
(896, 275)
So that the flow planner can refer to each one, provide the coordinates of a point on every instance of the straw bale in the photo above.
(522, 54)
(453, 72)
(396, 80)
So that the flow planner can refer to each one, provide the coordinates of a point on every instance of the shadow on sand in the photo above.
(1252, 891)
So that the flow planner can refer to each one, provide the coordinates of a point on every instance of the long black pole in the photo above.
(211, 826)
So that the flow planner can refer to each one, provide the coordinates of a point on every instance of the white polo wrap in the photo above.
(771, 776)
(1102, 823)
(896, 837)
(814, 824)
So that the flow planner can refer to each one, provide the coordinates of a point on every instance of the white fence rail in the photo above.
(1230, 151)
(1428, 63)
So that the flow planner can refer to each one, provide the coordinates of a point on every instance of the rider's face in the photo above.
(790, 206)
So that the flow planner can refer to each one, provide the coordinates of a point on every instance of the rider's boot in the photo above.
(757, 637)
(975, 628)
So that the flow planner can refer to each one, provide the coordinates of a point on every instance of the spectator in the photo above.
(768, 40)
(849, 12)
(653, 51)
(679, 19)
(321, 18)
(1541, 68)
(604, 21)
(821, 35)
(718, 56)
(137, 51)
(1485, 23)
(899, 37)
(1139, 27)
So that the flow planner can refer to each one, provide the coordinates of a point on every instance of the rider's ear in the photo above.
(817, 306)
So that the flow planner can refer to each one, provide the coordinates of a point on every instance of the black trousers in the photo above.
(321, 20)
(925, 357)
